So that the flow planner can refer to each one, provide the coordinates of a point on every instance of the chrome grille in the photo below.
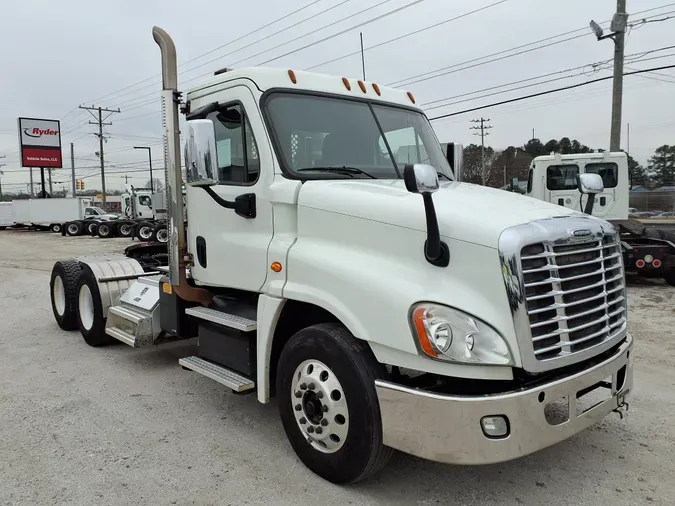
(574, 294)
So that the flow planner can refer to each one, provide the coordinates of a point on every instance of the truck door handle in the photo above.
(243, 205)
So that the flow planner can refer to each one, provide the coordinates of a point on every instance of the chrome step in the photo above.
(224, 319)
(218, 373)
(123, 336)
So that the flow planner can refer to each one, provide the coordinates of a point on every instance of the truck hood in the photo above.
(465, 211)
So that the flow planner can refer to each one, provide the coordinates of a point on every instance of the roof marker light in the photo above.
(347, 84)
(377, 89)
(362, 86)
(410, 96)
(291, 74)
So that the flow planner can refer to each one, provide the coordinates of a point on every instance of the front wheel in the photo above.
(55, 227)
(328, 404)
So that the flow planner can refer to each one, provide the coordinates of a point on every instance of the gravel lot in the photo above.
(80, 425)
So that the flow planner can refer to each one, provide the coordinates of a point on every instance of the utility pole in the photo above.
(49, 171)
(100, 122)
(618, 33)
(482, 134)
(363, 58)
(126, 179)
(31, 181)
(1, 173)
(72, 167)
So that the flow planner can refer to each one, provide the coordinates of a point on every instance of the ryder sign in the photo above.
(40, 142)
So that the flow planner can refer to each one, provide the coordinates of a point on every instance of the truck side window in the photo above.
(609, 172)
(238, 161)
(562, 177)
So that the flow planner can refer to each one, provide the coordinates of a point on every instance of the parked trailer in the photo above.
(53, 214)
(384, 309)
(6, 215)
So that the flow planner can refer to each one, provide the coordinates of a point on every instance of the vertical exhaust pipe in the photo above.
(174, 178)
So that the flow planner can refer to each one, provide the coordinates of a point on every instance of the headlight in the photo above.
(448, 334)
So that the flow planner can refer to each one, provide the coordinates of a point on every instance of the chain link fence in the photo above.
(653, 202)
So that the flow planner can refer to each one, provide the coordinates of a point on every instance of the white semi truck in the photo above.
(649, 251)
(143, 217)
(385, 305)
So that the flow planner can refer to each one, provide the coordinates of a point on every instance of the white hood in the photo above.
(466, 212)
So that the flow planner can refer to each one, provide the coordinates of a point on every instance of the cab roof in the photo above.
(580, 156)
(267, 78)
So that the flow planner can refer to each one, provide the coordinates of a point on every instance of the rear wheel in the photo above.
(125, 229)
(92, 228)
(161, 234)
(104, 231)
(144, 231)
(55, 227)
(63, 290)
(90, 317)
(328, 404)
(74, 228)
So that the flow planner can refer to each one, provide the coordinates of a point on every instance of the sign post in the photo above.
(40, 146)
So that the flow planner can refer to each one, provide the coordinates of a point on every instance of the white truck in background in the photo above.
(50, 213)
(384, 304)
(6, 215)
(143, 217)
(648, 251)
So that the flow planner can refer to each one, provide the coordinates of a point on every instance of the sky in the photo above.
(59, 55)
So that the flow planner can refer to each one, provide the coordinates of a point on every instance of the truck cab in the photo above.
(553, 178)
(328, 257)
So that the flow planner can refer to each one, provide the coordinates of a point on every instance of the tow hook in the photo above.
(622, 408)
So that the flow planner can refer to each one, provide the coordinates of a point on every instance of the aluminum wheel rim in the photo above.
(103, 229)
(125, 229)
(56, 228)
(72, 229)
(90, 228)
(59, 296)
(145, 232)
(162, 235)
(320, 406)
(86, 307)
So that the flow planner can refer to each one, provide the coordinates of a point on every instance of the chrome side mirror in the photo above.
(420, 178)
(590, 183)
(201, 157)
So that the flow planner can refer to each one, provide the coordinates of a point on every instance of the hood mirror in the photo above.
(423, 179)
(590, 184)
(201, 158)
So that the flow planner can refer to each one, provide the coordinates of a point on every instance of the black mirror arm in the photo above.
(436, 251)
(589, 203)
(243, 205)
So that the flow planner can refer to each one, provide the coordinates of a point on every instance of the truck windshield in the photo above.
(319, 137)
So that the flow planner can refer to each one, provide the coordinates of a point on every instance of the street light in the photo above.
(152, 185)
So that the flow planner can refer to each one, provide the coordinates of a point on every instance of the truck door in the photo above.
(561, 185)
(605, 201)
(144, 207)
(230, 250)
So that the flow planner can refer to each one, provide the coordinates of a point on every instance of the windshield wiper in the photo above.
(340, 169)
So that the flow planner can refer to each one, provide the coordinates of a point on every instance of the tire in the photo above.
(144, 231)
(125, 229)
(92, 228)
(74, 228)
(351, 369)
(161, 234)
(669, 269)
(90, 318)
(105, 230)
(63, 293)
(55, 227)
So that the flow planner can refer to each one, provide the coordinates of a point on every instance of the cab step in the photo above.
(224, 319)
(218, 373)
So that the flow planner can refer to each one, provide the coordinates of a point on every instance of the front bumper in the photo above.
(447, 428)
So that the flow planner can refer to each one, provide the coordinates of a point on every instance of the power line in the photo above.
(547, 92)
(415, 32)
(465, 65)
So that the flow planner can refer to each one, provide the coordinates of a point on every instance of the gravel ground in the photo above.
(80, 425)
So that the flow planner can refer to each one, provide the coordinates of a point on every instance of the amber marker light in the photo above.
(291, 74)
(422, 336)
(276, 266)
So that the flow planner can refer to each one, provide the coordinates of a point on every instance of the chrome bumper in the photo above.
(447, 428)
